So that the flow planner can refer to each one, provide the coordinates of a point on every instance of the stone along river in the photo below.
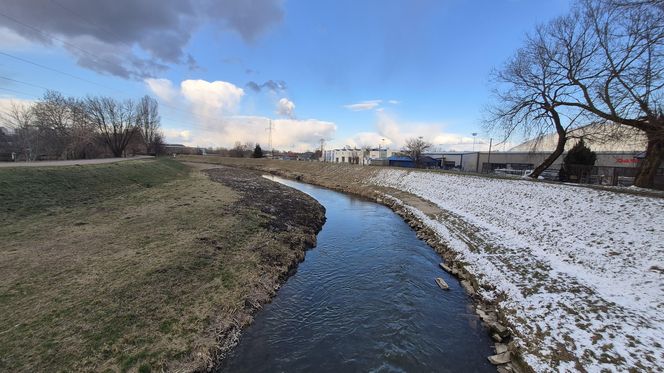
(365, 299)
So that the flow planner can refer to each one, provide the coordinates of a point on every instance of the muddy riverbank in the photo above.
(527, 251)
(365, 299)
(354, 180)
(291, 218)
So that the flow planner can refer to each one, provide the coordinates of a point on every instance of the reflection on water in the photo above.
(364, 300)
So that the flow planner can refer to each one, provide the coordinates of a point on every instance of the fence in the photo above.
(603, 175)
(598, 175)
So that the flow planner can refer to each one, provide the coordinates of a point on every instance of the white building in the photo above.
(354, 155)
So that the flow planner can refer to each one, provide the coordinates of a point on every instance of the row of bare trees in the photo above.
(59, 127)
(601, 63)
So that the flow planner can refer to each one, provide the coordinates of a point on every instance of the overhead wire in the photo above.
(72, 45)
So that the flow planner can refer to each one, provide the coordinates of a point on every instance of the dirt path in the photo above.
(73, 162)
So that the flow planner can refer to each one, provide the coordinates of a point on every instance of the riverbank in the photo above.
(570, 278)
(141, 265)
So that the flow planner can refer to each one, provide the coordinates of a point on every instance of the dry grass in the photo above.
(139, 273)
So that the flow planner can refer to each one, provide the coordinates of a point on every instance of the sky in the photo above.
(353, 73)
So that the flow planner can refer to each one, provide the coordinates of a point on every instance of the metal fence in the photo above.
(597, 175)
(602, 175)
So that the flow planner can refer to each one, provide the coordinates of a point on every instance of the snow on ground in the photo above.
(582, 269)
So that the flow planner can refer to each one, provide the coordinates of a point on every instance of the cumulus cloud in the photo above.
(147, 34)
(174, 136)
(162, 88)
(215, 121)
(285, 107)
(211, 98)
(287, 134)
(393, 133)
(364, 105)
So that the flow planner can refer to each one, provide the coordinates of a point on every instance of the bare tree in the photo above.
(610, 52)
(239, 150)
(20, 119)
(61, 124)
(115, 121)
(414, 148)
(531, 87)
(149, 122)
(604, 63)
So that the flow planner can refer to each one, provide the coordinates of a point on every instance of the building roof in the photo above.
(603, 137)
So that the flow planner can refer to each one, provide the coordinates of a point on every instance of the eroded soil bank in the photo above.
(567, 278)
(291, 220)
(353, 180)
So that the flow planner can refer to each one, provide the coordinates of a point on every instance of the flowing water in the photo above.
(364, 300)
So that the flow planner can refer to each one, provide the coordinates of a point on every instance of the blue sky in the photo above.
(418, 68)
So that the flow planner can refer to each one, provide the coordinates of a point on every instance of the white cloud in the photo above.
(215, 122)
(394, 102)
(11, 40)
(285, 107)
(163, 88)
(287, 134)
(177, 136)
(211, 98)
(395, 133)
(371, 139)
(364, 105)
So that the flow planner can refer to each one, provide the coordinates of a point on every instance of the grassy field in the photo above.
(134, 266)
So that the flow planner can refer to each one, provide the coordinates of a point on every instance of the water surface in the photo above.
(364, 300)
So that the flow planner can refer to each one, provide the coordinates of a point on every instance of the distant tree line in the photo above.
(59, 127)
(601, 63)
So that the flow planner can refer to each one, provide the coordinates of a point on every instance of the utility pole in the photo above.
(488, 160)
(269, 138)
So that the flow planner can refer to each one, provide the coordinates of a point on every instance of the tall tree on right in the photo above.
(620, 79)
(606, 60)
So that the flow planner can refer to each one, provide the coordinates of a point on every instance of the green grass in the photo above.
(25, 191)
(122, 267)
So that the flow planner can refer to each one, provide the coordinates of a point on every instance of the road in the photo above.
(73, 162)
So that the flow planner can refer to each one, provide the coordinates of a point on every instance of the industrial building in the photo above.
(355, 156)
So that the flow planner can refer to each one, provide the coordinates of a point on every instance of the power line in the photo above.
(49, 35)
(15, 91)
(88, 21)
(54, 70)
(25, 83)
(91, 82)
(35, 97)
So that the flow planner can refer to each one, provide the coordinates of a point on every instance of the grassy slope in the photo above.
(120, 267)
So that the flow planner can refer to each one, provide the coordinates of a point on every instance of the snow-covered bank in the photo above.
(582, 269)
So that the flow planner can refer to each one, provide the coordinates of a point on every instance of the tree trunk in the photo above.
(645, 177)
(560, 148)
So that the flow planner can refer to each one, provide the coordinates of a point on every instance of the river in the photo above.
(364, 299)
